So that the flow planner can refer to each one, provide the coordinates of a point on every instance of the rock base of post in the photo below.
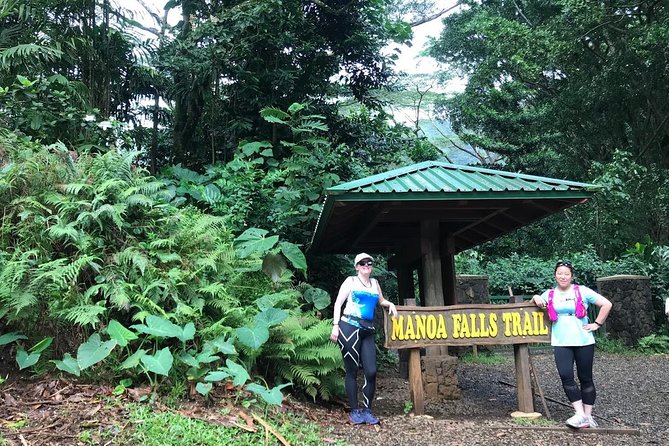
(440, 380)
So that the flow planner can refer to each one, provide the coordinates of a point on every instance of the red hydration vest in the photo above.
(580, 308)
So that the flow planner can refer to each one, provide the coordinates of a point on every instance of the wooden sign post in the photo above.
(463, 325)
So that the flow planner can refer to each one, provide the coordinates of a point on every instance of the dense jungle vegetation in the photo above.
(160, 181)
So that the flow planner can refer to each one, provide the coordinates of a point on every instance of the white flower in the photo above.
(89, 118)
(104, 125)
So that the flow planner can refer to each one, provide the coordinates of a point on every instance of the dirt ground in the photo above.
(632, 409)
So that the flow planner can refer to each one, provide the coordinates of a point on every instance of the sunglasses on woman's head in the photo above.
(366, 263)
(563, 263)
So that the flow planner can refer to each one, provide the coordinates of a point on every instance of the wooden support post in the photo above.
(431, 280)
(416, 382)
(403, 354)
(521, 354)
(448, 268)
(537, 387)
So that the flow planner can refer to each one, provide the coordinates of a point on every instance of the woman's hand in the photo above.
(335, 333)
(538, 301)
(391, 309)
(590, 327)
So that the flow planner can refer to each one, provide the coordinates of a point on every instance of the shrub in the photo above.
(100, 261)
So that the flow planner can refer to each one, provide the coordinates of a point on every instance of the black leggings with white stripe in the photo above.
(357, 347)
(565, 357)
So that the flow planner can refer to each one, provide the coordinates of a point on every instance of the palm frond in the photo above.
(27, 54)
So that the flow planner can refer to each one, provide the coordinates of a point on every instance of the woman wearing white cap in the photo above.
(354, 331)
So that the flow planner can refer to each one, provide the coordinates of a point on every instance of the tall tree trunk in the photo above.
(188, 106)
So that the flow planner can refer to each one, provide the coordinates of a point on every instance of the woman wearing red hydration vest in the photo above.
(572, 339)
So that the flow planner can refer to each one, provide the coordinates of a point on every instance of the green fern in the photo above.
(84, 314)
(17, 301)
(62, 231)
(86, 241)
(72, 271)
(167, 257)
(162, 243)
(302, 352)
(139, 200)
(303, 374)
(114, 212)
(76, 188)
(120, 295)
(132, 257)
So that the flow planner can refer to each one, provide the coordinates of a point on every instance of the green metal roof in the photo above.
(434, 177)
(473, 204)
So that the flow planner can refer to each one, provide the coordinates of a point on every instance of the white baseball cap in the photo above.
(360, 257)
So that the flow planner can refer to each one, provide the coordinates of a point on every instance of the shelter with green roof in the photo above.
(421, 215)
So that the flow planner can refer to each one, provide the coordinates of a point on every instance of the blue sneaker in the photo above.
(356, 416)
(369, 417)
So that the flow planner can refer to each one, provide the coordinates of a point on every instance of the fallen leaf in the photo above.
(139, 393)
(93, 411)
(9, 399)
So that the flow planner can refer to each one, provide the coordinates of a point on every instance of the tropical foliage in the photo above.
(100, 257)
(244, 112)
(569, 89)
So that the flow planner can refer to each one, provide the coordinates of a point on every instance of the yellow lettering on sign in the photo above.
(543, 329)
(493, 325)
(464, 329)
(484, 328)
(515, 321)
(475, 331)
(506, 317)
(420, 327)
(528, 329)
(457, 322)
(431, 326)
(468, 325)
(398, 328)
(410, 332)
(441, 328)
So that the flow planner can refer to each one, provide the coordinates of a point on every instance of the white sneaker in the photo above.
(592, 423)
(578, 421)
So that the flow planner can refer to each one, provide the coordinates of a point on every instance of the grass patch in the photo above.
(487, 358)
(654, 344)
(608, 345)
(151, 428)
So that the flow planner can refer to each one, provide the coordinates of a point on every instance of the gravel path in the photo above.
(633, 393)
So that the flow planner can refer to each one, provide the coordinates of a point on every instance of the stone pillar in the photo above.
(472, 290)
(632, 315)
(440, 380)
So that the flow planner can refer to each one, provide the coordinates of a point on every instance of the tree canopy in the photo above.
(557, 86)
(574, 90)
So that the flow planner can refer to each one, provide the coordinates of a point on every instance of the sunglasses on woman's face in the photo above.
(366, 263)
